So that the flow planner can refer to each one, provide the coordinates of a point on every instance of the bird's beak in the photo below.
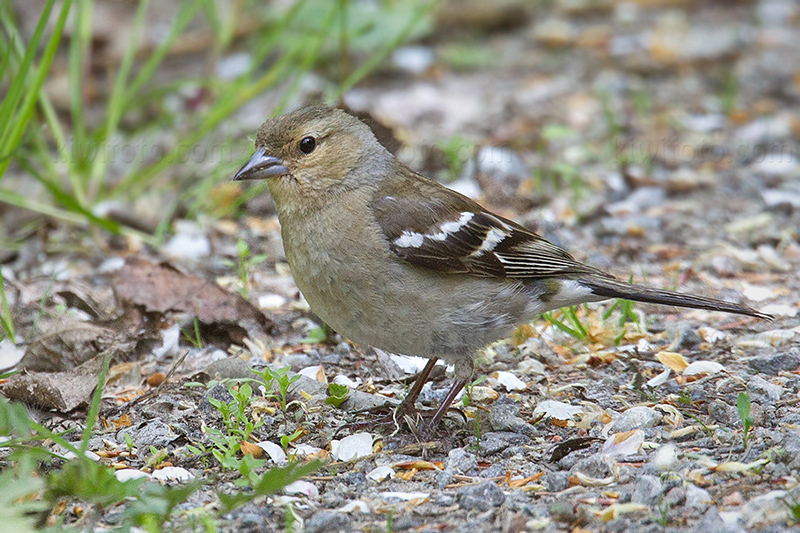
(261, 166)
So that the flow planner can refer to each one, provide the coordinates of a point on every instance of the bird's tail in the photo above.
(609, 288)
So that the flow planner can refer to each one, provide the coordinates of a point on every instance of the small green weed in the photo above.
(743, 406)
(337, 394)
(244, 265)
(279, 377)
(194, 338)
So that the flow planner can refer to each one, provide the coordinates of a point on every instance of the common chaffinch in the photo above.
(391, 259)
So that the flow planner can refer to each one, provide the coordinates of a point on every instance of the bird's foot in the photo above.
(403, 426)
(384, 419)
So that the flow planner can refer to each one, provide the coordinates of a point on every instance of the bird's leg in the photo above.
(407, 406)
(405, 409)
(445, 405)
(463, 374)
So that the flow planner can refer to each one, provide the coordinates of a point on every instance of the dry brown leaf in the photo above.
(517, 483)
(407, 476)
(62, 391)
(123, 421)
(68, 343)
(156, 379)
(160, 288)
(248, 448)
(420, 465)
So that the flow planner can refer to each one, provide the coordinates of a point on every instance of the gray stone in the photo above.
(460, 461)
(496, 441)
(762, 391)
(675, 496)
(503, 417)
(496, 470)
(229, 368)
(307, 385)
(772, 364)
(357, 401)
(356, 480)
(444, 500)
(598, 466)
(791, 443)
(647, 490)
(153, 433)
(327, 522)
(637, 418)
(556, 481)
(218, 392)
(697, 498)
(443, 478)
(711, 523)
(726, 415)
(298, 361)
(482, 497)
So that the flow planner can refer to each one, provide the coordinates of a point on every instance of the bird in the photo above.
(391, 259)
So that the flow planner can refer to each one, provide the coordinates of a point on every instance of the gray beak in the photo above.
(261, 166)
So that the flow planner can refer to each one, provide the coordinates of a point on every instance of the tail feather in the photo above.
(609, 288)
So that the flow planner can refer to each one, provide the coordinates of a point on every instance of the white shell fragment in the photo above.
(354, 506)
(274, 451)
(659, 379)
(380, 473)
(346, 381)
(173, 473)
(315, 372)
(404, 496)
(408, 363)
(703, 367)
(624, 444)
(352, 447)
(557, 410)
(507, 380)
(128, 474)
(10, 354)
(304, 450)
(711, 335)
(302, 487)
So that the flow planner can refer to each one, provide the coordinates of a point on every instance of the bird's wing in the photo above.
(433, 227)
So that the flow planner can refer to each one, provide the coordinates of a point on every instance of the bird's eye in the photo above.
(308, 144)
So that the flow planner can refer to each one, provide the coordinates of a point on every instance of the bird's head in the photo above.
(313, 153)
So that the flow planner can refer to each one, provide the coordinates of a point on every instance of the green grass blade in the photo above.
(573, 317)
(560, 325)
(94, 408)
(12, 198)
(78, 52)
(137, 181)
(6, 57)
(373, 61)
(115, 106)
(186, 13)
(310, 59)
(19, 81)
(13, 135)
(69, 202)
(5, 312)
